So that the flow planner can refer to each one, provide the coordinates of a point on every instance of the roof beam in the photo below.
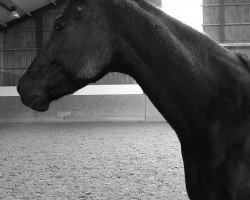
(7, 12)
(53, 1)
(17, 3)
(4, 7)
(3, 24)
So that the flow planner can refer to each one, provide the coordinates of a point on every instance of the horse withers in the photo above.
(200, 88)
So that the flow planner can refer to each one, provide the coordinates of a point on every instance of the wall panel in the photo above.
(1, 58)
(228, 21)
(234, 22)
(19, 49)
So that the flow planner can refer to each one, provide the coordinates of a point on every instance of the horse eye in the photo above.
(58, 27)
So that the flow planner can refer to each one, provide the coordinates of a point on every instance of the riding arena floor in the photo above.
(90, 161)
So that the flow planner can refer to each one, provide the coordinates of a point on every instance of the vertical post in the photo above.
(222, 21)
(1, 58)
(156, 2)
(39, 31)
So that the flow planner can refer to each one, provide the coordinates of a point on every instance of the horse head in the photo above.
(78, 53)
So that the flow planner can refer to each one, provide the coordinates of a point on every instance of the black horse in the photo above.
(200, 88)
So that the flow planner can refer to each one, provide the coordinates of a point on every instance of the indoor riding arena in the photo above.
(107, 140)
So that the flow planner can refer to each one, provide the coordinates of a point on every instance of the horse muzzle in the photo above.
(34, 99)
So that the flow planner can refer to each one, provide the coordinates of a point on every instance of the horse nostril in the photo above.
(36, 96)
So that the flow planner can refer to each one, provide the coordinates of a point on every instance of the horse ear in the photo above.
(75, 2)
(78, 7)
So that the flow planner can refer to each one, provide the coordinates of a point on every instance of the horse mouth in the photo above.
(40, 104)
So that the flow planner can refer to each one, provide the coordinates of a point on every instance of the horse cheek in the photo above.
(95, 63)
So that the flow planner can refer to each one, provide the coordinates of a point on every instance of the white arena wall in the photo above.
(93, 103)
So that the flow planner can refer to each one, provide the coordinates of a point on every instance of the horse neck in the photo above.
(169, 60)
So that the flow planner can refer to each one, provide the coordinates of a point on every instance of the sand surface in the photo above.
(88, 161)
